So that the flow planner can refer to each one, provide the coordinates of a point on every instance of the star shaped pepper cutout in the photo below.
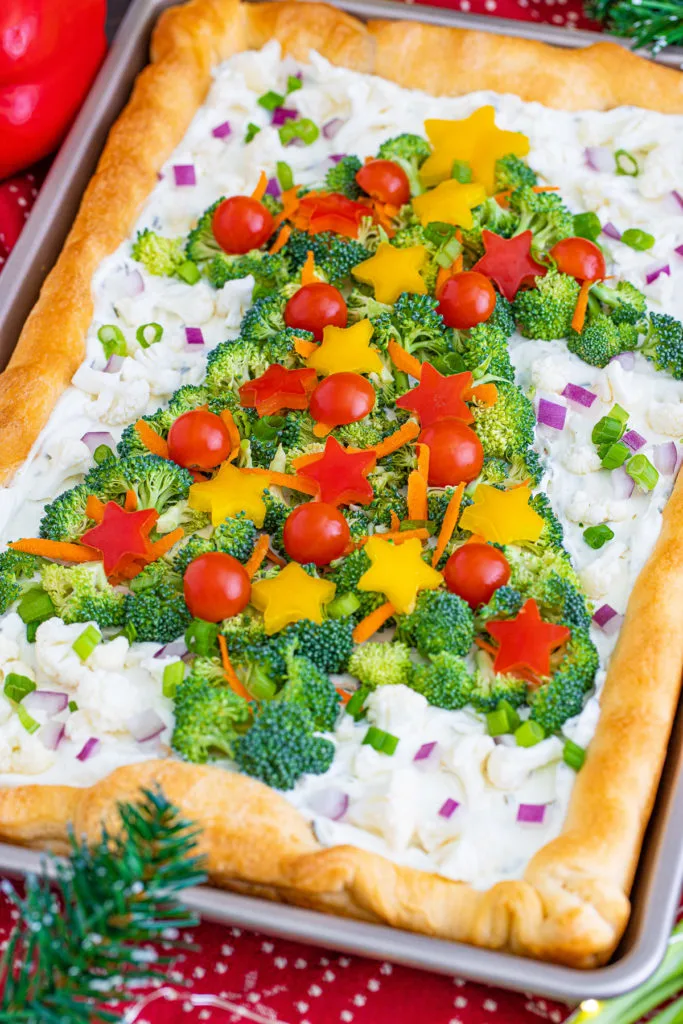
(502, 517)
(449, 203)
(346, 349)
(232, 490)
(526, 641)
(398, 571)
(278, 388)
(122, 537)
(508, 262)
(475, 140)
(437, 396)
(290, 596)
(392, 271)
(341, 475)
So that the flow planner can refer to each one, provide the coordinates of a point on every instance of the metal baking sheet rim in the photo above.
(660, 871)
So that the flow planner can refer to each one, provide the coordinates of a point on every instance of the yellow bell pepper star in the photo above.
(475, 141)
(232, 490)
(502, 517)
(392, 271)
(398, 571)
(290, 596)
(346, 348)
(450, 202)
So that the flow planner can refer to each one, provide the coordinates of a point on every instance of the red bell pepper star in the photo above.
(122, 537)
(278, 388)
(526, 641)
(341, 475)
(508, 262)
(437, 396)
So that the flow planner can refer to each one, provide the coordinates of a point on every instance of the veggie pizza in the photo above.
(340, 453)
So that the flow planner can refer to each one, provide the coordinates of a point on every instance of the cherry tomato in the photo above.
(199, 439)
(342, 398)
(386, 181)
(466, 299)
(455, 452)
(580, 258)
(315, 306)
(475, 571)
(242, 223)
(216, 587)
(315, 532)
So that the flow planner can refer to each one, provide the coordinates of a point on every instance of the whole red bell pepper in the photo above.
(50, 51)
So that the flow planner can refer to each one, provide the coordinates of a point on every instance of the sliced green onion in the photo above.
(112, 340)
(201, 637)
(626, 163)
(439, 232)
(607, 430)
(637, 239)
(642, 471)
(35, 606)
(354, 706)
(284, 173)
(251, 132)
(513, 718)
(149, 334)
(17, 686)
(461, 171)
(72, 705)
(587, 225)
(31, 630)
(573, 755)
(28, 723)
(268, 427)
(615, 456)
(381, 741)
(293, 84)
(189, 272)
(618, 412)
(497, 722)
(172, 678)
(303, 129)
(596, 536)
(529, 733)
(270, 100)
(86, 643)
(342, 605)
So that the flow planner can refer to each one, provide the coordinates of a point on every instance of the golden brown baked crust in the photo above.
(572, 905)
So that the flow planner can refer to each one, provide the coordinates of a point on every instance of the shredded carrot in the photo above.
(305, 460)
(304, 348)
(476, 538)
(398, 536)
(308, 275)
(322, 429)
(395, 522)
(545, 188)
(403, 360)
(165, 543)
(442, 276)
(151, 440)
(233, 433)
(368, 626)
(261, 187)
(273, 556)
(61, 550)
(94, 508)
(422, 467)
(281, 239)
(131, 502)
(579, 317)
(450, 521)
(255, 560)
(394, 441)
(384, 214)
(345, 695)
(486, 646)
(483, 394)
(290, 204)
(230, 674)
(294, 483)
(417, 496)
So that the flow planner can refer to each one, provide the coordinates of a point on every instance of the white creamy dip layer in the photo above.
(393, 802)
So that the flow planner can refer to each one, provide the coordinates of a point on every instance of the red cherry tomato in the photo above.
(386, 181)
(315, 306)
(242, 223)
(199, 439)
(216, 587)
(315, 532)
(466, 299)
(580, 258)
(341, 398)
(455, 452)
(475, 571)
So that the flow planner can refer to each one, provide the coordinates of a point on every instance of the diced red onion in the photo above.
(448, 808)
(194, 336)
(532, 814)
(599, 158)
(283, 114)
(221, 131)
(678, 197)
(145, 726)
(679, 250)
(187, 657)
(332, 128)
(51, 734)
(135, 283)
(656, 272)
(175, 649)
(425, 751)
(603, 614)
(114, 363)
(634, 440)
(329, 803)
(49, 701)
(550, 414)
(94, 438)
(627, 360)
(336, 157)
(296, 142)
(184, 174)
(582, 396)
(622, 483)
(273, 188)
(611, 231)
(89, 749)
(665, 457)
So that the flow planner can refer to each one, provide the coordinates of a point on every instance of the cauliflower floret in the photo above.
(549, 374)
(68, 458)
(390, 810)
(602, 575)
(397, 709)
(660, 170)
(585, 510)
(109, 700)
(509, 767)
(23, 752)
(466, 759)
(234, 299)
(110, 657)
(166, 366)
(666, 418)
(192, 305)
(121, 403)
(55, 656)
(581, 459)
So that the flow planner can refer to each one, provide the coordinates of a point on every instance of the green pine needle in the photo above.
(651, 24)
(84, 936)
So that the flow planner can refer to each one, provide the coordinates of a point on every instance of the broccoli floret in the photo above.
(186, 399)
(489, 689)
(14, 567)
(342, 177)
(130, 443)
(625, 303)
(502, 317)
(155, 610)
(544, 214)
(505, 604)
(209, 719)
(489, 216)
(410, 152)
(274, 521)
(236, 536)
(312, 689)
(65, 517)
(364, 307)
(506, 429)
(158, 483)
(159, 256)
(328, 644)
(446, 681)
(229, 364)
(281, 746)
(415, 324)
(192, 549)
(390, 499)
(208, 670)
(201, 242)
(81, 593)
(263, 320)
(346, 574)
(663, 344)
(562, 696)
(546, 311)
(601, 339)
(520, 469)
(483, 349)
(511, 172)
(552, 535)
(334, 254)
(270, 272)
(441, 621)
(382, 663)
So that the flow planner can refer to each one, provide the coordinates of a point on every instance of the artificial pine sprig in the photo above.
(82, 937)
(651, 24)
